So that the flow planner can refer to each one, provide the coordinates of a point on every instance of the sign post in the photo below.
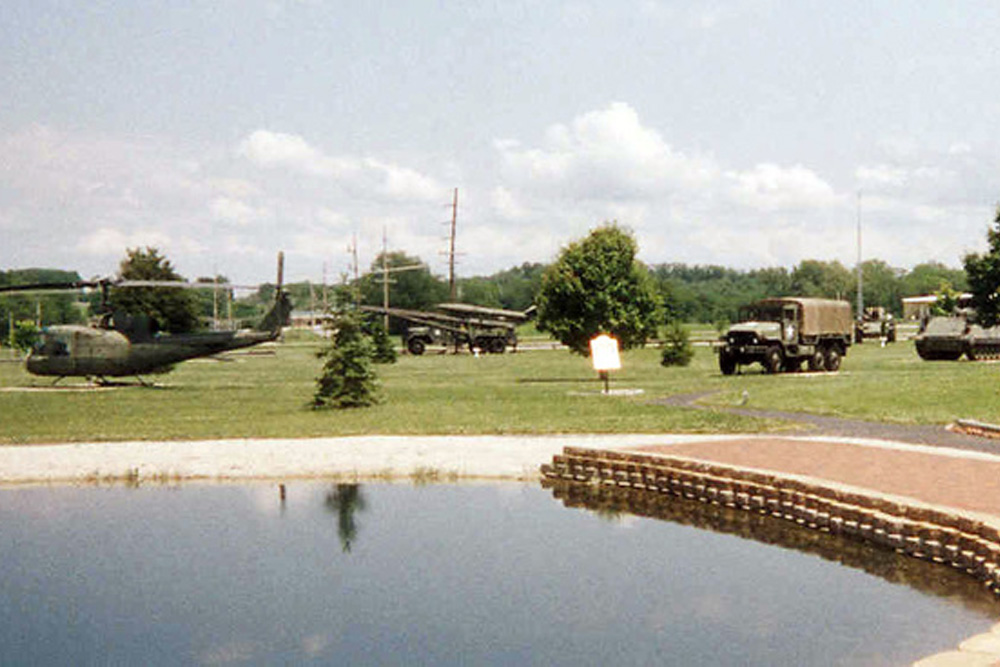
(604, 354)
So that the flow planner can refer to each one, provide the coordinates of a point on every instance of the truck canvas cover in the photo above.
(819, 316)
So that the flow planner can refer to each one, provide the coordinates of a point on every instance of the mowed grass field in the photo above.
(266, 394)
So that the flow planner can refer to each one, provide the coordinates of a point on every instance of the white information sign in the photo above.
(604, 353)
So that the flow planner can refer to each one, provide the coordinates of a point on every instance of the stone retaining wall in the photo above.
(971, 544)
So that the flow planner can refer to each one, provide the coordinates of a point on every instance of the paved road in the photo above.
(923, 434)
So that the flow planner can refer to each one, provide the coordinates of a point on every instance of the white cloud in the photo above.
(276, 150)
(234, 211)
(113, 242)
(880, 176)
(770, 187)
(367, 177)
(607, 154)
(506, 206)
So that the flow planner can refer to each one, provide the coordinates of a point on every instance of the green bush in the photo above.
(677, 349)
(25, 335)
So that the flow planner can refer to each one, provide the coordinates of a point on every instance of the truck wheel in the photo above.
(415, 346)
(832, 359)
(817, 361)
(498, 346)
(774, 360)
(727, 363)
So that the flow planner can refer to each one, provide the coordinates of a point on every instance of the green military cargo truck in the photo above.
(782, 333)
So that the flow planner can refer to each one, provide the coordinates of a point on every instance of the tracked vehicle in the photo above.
(949, 337)
(780, 334)
(876, 323)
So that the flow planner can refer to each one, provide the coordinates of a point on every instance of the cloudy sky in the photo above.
(734, 132)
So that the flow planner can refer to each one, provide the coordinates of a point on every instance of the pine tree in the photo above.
(384, 352)
(677, 350)
(347, 379)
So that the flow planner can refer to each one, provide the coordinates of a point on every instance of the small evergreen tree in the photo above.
(347, 379)
(383, 350)
(677, 349)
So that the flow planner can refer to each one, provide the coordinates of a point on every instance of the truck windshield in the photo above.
(760, 314)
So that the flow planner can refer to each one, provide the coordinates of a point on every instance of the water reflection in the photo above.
(444, 575)
(926, 577)
(345, 500)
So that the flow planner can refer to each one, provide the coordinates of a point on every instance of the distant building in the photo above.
(307, 319)
(919, 307)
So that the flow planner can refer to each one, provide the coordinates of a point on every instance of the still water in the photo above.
(440, 575)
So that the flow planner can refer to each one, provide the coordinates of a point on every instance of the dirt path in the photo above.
(923, 434)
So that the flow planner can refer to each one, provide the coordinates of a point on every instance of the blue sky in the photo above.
(736, 132)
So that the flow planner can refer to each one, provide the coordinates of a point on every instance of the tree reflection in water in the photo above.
(345, 500)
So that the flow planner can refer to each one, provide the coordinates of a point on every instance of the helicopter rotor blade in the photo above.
(180, 284)
(53, 287)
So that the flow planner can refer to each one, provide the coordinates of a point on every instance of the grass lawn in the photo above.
(538, 391)
(890, 384)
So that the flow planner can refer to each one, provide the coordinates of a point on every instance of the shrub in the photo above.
(347, 379)
(677, 349)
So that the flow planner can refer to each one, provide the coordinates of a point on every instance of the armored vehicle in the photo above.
(948, 337)
(875, 323)
(782, 333)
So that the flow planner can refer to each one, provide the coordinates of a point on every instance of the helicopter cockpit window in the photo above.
(51, 346)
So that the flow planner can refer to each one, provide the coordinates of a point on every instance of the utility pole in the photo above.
(215, 298)
(326, 305)
(861, 298)
(385, 280)
(451, 247)
(353, 250)
(385, 271)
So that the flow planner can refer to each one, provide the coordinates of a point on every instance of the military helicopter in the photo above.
(123, 345)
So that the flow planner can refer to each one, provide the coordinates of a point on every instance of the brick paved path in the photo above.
(967, 481)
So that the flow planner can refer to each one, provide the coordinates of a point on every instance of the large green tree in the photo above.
(983, 271)
(597, 286)
(174, 310)
(881, 285)
(813, 277)
(41, 308)
(928, 278)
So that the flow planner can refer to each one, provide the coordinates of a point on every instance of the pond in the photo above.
(494, 574)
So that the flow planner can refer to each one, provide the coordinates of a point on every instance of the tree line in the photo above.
(688, 293)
